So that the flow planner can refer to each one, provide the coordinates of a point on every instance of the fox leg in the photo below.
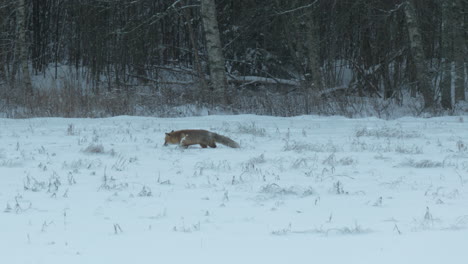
(184, 142)
(212, 145)
(203, 145)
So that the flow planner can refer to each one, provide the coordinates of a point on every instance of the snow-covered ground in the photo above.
(299, 190)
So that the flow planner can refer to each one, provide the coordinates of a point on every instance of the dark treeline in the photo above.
(280, 57)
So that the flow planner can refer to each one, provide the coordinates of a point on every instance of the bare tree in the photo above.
(23, 47)
(338, 49)
(459, 46)
(417, 53)
(193, 41)
(313, 51)
(446, 57)
(214, 50)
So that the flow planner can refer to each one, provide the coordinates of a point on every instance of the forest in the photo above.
(94, 58)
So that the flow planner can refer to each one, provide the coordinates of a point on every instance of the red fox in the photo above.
(205, 138)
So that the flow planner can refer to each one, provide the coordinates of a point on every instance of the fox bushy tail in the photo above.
(225, 141)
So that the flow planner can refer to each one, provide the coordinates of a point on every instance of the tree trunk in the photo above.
(459, 44)
(446, 57)
(411, 72)
(23, 48)
(313, 56)
(193, 42)
(388, 90)
(446, 85)
(416, 46)
(3, 76)
(214, 50)
(465, 28)
(3, 58)
(313, 51)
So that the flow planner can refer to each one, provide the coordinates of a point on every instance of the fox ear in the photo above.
(172, 131)
(167, 134)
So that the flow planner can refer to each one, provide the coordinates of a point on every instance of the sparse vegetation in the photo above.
(386, 132)
(330, 183)
(422, 164)
(273, 190)
(302, 147)
(251, 129)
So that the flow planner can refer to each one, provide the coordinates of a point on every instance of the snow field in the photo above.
(303, 189)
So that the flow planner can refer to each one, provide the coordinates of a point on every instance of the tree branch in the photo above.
(296, 9)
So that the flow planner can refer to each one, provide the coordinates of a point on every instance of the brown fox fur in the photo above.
(205, 138)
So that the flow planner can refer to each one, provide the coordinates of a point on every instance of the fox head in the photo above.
(171, 138)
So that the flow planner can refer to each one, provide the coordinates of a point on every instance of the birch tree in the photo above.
(417, 53)
(214, 50)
